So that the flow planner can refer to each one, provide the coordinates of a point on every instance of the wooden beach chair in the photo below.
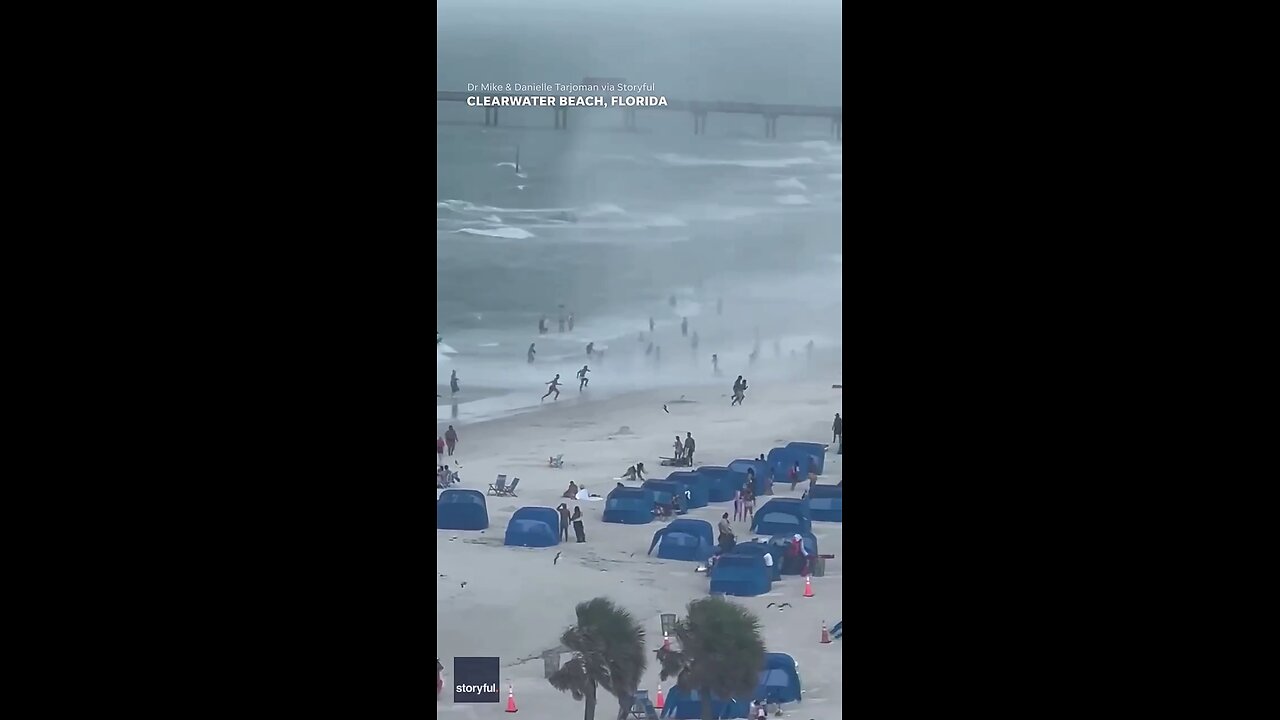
(511, 489)
(499, 486)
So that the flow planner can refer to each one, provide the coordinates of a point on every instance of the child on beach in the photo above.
(553, 387)
(737, 505)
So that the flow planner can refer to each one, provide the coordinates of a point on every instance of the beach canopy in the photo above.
(743, 574)
(782, 516)
(696, 486)
(825, 503)
(761, 468)
(629, 506)
(533, 527)
(723, 482)
(760, 549)
(779, 682)
(781, 542)
(684, 539)
(461, 510)
(781, 460)
(688, 492)
(817, 451)
(658, 492)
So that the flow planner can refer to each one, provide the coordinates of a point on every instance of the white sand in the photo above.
(516, 602)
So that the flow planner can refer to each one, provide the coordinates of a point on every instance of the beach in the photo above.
(517, 602)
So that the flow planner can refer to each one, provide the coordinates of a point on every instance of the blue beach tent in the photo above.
(779, 682)
(761, 468)
(723, 482)
(657, 492)
(782, 516)
(825, 503)
(533, 527)
(698, 487)
(685, 539)
(816, 450)
(760, 549)
(461, 510)
(741, 574)
(629, 506)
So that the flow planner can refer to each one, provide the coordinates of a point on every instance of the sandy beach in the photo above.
(516, 602)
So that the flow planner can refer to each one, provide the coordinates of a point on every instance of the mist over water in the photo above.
(612, 223)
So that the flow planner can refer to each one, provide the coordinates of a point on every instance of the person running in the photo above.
(739, 386)
(837, 429)
(531, 353)
(577, 524)
(688, 447)
(553, 387)
(679, 446)
(591, 347)
(583, 380)
(453, 382)
(451, 439)
(715, 365)
(684, 327)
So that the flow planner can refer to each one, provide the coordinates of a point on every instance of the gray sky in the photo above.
(744, 50)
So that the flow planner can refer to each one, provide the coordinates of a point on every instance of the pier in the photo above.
(699, 109)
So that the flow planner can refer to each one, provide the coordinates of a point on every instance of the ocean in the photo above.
(610, 225)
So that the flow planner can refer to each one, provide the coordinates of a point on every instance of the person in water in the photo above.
(553, 387)
(684, 327)
(583, 380)
(453, 382)
(532, 352)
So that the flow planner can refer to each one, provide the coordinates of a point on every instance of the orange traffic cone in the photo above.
(808, 588)
(511, 699)
(659, 704)
(826, 636)
(666, 641)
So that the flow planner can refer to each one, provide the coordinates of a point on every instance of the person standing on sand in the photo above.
(749, 502)
(453, 382)
(531, 353)
(688, 447)
(553, 387)
(737, 505)
(451, 439)
(563, 510)
(679, 446)
(570, 322)
(577, 524)
(725, 540)
(439, 450)
(837, 429)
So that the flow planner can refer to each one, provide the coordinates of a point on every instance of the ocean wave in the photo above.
(601, 209)
(790, 184)
(493, 219)
(691, 161)
(509, 233)
(506, 164)
(792, 200)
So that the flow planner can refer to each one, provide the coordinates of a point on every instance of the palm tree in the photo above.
(608, 652)
(721, 652)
